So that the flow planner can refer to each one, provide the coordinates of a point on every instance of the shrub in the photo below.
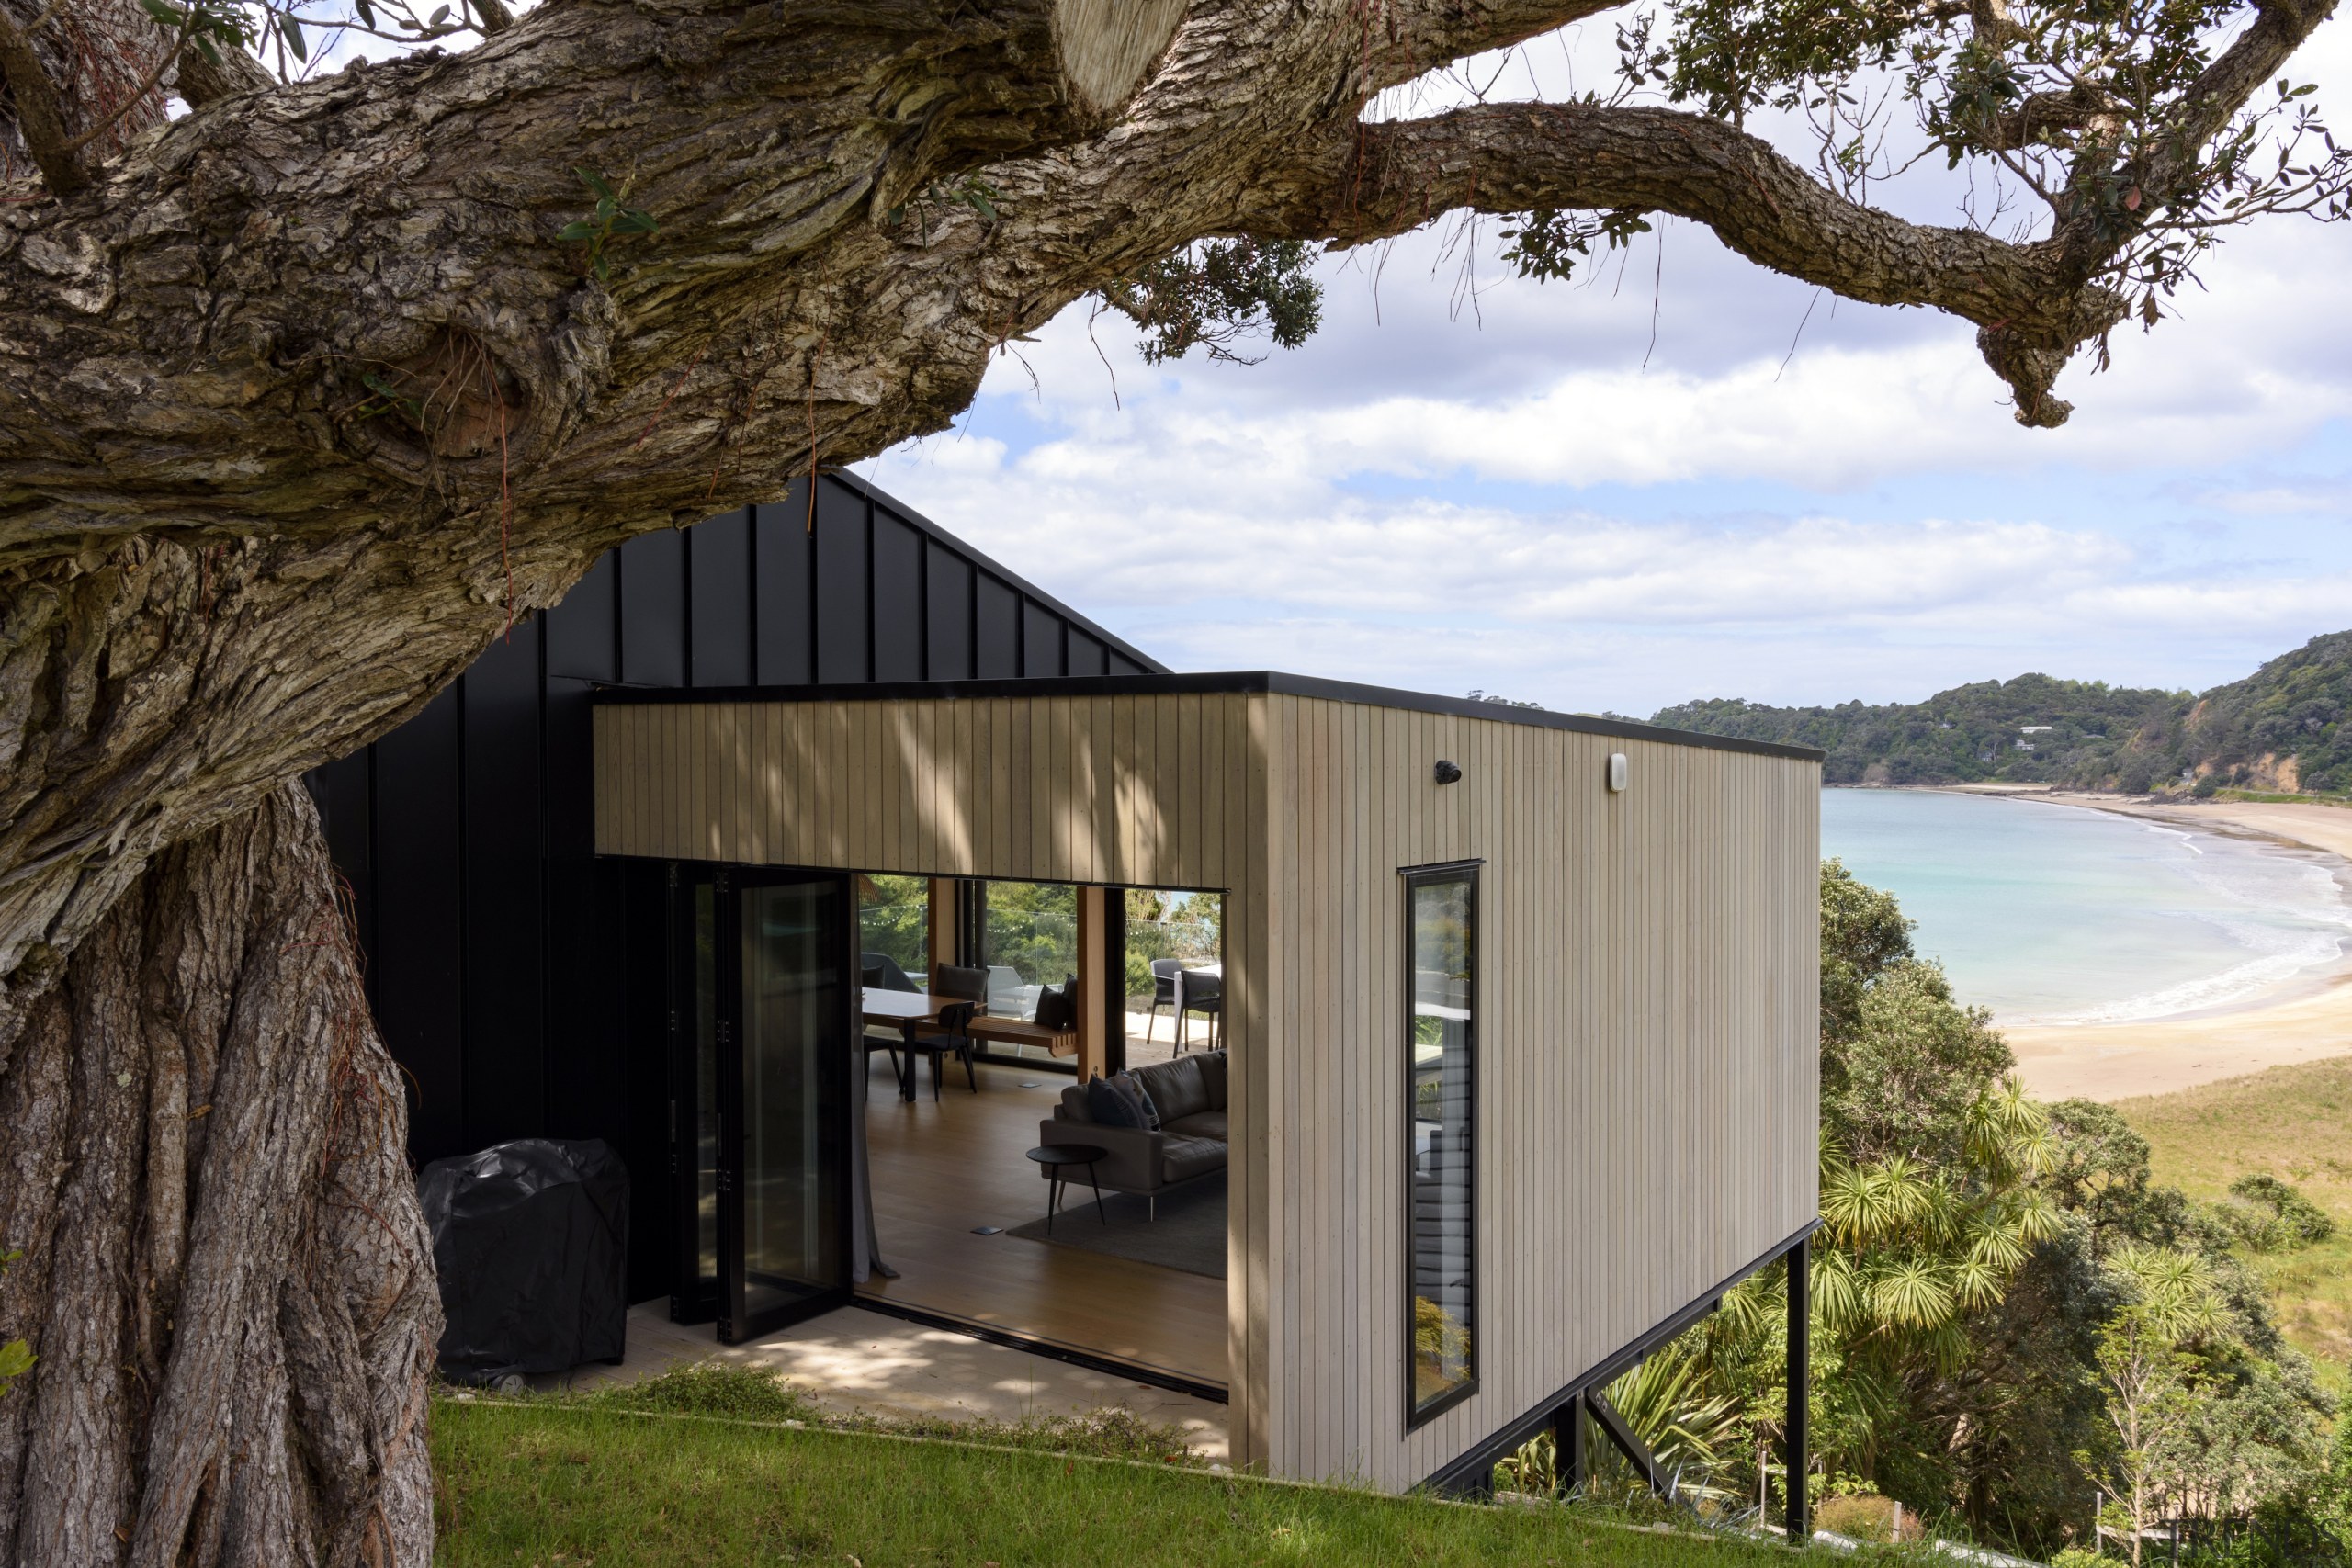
(2274, 1216)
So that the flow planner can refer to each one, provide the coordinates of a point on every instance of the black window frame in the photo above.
(1409, 878)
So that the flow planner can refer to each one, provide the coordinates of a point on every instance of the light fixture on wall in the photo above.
(1616, 772)
(1446, 772)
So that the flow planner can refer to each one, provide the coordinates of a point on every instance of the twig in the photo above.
(1800, 333)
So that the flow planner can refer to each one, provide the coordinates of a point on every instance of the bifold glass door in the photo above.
(773, 1247)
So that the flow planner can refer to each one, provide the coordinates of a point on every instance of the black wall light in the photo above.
(1446, 772)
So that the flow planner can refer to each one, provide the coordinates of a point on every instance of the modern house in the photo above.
(1515, 1063)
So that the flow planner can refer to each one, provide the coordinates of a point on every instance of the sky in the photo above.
(1681, 476)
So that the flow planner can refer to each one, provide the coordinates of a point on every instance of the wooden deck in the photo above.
(940, 1170)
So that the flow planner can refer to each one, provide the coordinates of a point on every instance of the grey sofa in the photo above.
(1189, 1094)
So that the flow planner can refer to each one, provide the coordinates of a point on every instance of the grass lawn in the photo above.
(552, 1484)
(2294, 1122)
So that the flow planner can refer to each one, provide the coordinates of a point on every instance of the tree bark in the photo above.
(224, 1276)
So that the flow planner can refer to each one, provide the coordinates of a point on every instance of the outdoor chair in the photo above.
(1163, 991)
(881, 973)
(1198, 990)
(953, 1037)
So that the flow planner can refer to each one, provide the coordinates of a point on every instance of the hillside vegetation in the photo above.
(2293, 1122)
(2282, 727)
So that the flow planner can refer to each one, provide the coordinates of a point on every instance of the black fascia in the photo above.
(1027, 590)
(1473, 1470)
(1247, 682)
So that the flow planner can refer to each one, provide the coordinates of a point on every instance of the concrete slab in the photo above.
(851, 1359)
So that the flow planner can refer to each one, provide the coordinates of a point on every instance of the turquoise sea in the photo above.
(2055, 914)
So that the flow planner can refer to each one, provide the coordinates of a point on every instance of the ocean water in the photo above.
(2055, 914)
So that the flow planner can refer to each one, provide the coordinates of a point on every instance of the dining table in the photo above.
(906, 1011)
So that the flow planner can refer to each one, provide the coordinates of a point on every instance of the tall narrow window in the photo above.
(1441, 1033)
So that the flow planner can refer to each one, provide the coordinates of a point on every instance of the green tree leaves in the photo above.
(1215, 293)
(612, 221)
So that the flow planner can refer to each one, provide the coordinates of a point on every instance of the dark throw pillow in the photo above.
(1056, 1009)
(1113, 1107)
(1120, 1101)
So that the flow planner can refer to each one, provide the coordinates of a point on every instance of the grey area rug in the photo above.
(1188, 1235)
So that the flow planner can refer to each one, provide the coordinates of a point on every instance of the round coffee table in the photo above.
(1058, 1159)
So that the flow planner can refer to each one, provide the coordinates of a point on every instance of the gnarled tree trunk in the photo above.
(224, 1273)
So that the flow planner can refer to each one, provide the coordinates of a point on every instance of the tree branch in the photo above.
(1406, 38)
(40, 114)
(203, 81)
(1520, 158)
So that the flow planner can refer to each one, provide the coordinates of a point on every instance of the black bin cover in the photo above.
(531, 1239)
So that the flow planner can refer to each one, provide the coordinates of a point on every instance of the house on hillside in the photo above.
(830, 875)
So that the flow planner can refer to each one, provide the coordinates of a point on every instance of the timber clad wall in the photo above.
(520, 981)
(1647, 1094)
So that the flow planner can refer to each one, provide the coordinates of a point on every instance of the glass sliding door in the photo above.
(783, 1079)
(1440, 1131)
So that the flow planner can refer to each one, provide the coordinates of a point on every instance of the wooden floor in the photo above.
(940, 1170)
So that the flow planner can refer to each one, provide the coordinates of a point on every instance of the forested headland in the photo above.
(2280, 728)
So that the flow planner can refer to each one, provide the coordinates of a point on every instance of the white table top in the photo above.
(879, 1003)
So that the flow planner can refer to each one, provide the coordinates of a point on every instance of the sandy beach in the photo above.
(2115, 1061)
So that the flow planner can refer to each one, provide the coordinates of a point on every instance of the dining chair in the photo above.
(952, 1037)
(1197, 990)
(1163, 991)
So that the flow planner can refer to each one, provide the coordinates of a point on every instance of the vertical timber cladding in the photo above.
(1647, 1094)
(1166, 790)
(1646, 1090)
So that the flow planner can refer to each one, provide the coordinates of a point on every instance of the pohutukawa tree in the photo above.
(306, 391)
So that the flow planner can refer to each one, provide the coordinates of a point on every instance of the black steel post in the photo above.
(1800, 1510)
(1569, 1461)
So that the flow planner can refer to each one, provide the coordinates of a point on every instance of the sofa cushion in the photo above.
(1212, 1065)
(1199, 1124)
(1183, 1158)
(1073, 1105)
(1175, 1087)
(1117, 1102)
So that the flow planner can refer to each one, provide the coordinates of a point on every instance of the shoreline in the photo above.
(2304, 1021)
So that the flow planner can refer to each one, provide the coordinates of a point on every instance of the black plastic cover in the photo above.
(531, 1240)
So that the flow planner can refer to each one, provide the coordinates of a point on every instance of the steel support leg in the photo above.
(1570, 1462)
(1800, 1511)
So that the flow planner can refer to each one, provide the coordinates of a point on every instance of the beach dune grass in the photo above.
(574, 1484)
(2294, 1122)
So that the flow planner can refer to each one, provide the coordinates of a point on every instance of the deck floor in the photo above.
(941, 1170)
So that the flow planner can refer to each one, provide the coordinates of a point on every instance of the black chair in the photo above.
(1163, 991)
(1204, 992)
(954, 1038)
(964, 985)
(881, 973)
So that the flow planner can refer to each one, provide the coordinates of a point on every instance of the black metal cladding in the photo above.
(518, 980)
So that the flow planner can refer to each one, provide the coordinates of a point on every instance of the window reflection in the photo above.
(1441, 935)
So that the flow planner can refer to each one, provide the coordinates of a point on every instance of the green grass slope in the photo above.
(577, 1483)
(2294, 1122)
